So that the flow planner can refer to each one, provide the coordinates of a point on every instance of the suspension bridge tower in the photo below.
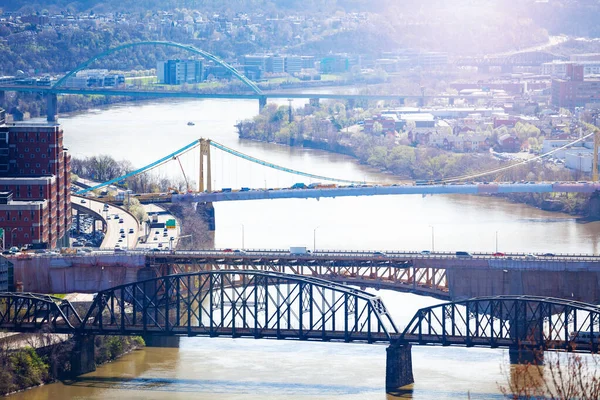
(206, 210)
(205, 156)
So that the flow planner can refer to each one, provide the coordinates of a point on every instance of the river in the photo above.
(205, 368)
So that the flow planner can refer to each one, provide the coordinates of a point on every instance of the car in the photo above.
(82, 201)
(121, 221)
(121, 230)
(14, 249)
(155, 249)
(498, 254)
(165, 234)
(549, 255)
(6, 252)
(157, 232)
(425, 252)
(239, 251)
(379, 254)
(120, 240)
(117, 249)
(227, 251)
(108, 217)
(160, 245)
(116, 216)
(122, 235)
(131, 230)
(531, 256)
(463, 254)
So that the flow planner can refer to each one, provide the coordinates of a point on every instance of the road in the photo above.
(158, 237)
(113, 216)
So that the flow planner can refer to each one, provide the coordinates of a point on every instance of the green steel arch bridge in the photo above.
(254, 92)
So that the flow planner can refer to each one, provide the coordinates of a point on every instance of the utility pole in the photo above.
(595, 157)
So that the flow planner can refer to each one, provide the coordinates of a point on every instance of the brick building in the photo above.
(574, 91)
(35, 205)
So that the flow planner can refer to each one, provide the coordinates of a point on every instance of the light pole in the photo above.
(11, 236)
(432, 238)
(496, 241)
(315, 239)
(242, 236)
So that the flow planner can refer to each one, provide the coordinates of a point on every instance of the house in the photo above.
(509, 143)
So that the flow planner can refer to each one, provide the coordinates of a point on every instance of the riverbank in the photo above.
(29, 367)
(333, 127)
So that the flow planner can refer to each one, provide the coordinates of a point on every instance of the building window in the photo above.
(32, 156)
(38, 165)
(26, 149)
(43, 156)
(37, 149)
(21, 155)
(26, 165)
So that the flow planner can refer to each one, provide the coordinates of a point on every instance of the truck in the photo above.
(298, 250)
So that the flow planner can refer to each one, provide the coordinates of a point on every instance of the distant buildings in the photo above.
(94, 78)
(573, 90)
(255, 65)
(35, 202)
(177, 72)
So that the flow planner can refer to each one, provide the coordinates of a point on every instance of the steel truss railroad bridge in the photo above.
(261, 304)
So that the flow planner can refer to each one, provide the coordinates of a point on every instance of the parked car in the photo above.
(549, 255)
(425, 252)
(498, 254)
(531, 256)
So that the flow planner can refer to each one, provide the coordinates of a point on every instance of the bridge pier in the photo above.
(3, 99)
(171, 342)
(526, 355)
(207, 212)
(82, 356)
(51, 107)
(262, 103)
(398, 367)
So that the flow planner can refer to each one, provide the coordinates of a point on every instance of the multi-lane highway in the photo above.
(122, 229)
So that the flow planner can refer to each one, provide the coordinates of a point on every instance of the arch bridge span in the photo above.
(188, 48)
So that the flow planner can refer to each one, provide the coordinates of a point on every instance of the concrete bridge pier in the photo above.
(262, 103)
(171, 342)
(398, 367)
(207, 212)
(527, 331)
(82, 356)
(51, 107)
(3, 99)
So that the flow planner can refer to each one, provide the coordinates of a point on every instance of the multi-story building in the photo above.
(177, 72)
(35, 179)
(558, 69)
(574, 91)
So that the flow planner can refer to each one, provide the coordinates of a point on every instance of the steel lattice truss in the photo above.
(395, 274)
(254, 304)
(28, 312)
(508, 321)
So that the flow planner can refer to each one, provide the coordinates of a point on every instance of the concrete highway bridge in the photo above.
(260, 304)
(440, 274)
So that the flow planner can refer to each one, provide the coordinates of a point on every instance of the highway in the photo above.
(113, 216)
(366, 256)
(378, 190)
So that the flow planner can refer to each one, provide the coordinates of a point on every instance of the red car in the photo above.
(227, 251)
(498, 254)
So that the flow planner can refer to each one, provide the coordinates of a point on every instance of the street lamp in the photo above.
(315, 239)
(496, 241)
(432, 238)
(11, 236)
(242, 236)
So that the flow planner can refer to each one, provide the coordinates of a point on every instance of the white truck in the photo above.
(298, 250)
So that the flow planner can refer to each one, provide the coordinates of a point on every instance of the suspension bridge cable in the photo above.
(478, 175)
(278, 167)
(143, 169)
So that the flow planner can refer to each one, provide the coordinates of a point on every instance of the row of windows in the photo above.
(32, 171)
(32, 156)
